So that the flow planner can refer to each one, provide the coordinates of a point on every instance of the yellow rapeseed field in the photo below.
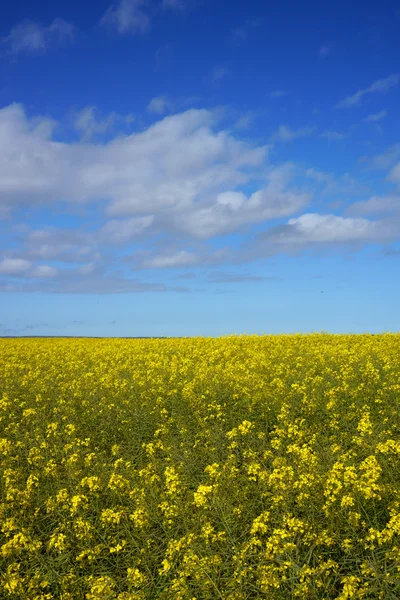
(234, 468)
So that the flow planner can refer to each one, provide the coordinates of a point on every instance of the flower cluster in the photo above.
(239, 467)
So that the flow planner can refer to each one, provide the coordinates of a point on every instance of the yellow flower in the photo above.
(58, 541)
(202, 494)
(135, 577)
(109, 516)
(102, 588)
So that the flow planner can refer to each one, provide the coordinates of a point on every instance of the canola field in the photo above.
(233, 468)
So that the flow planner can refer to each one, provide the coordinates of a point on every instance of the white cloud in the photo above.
(122, 231)
(376, 205)
(44, 271)
(394, 174)
(377, 116)
(62, 245)
(384, 160)
(159, 105)
(285, 134)
(319, 176)
(127, 16)
(245, 121)
(31, 37)
(311, 229)
(87, 269)
(378, 86)
(165, 261)
(178, 161)
(74, 246)
(88, 124)
(232, 210)
(14, 266)
(179, 175)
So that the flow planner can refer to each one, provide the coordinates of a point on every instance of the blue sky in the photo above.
(188, 167)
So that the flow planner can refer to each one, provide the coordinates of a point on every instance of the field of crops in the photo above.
(235, 468)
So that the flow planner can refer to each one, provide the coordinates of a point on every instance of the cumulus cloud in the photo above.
(285, 134)
(318, 233)
(233, 209)
(183, 180)
(378, 86)
(44, 271)
(310, 229)
(179, 161)
(14, 266)
(127, 16)
(32, 37)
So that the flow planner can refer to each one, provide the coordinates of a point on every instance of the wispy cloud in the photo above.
(159, 105)
(182, 258)
(135, 16)
(90, 124)
(241, 33)
(330, 135)
(127, 16)
(277, 94)
(325, 50)
(319, 176)
(219, 73)
(377, 116)
(376, 205)
(163, 56)
(378, 86)
(240, 278)
(176, 4)
(285, 134)
(245, 121)
(385, 160)
(31, 37)
(394, 174)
